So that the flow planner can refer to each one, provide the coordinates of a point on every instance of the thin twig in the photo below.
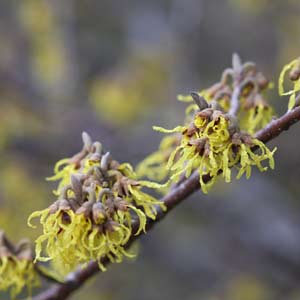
(237, 69)
(76, 279)
(235, 100)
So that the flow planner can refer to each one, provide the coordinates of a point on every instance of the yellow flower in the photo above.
(154, 165)
(254, 112)
(99, 199)
(16, 267)
(212, 144)
(256, 117)
(294, 76)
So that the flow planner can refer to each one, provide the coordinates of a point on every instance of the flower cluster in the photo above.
(212, 143)
(16, 266)
(294, 76)
(217, 131)
(246, 83)
(98, 202)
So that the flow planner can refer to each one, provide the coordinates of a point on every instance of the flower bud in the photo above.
(98, 212)
(76, 186)
(121, 204)
(87, 141)
(105, 160)
(200, 101)
(111, 226)
(63, 204)
(85, 208)
(262, 81)
(294, 74)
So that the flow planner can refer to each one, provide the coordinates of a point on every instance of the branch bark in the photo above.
(181, 192)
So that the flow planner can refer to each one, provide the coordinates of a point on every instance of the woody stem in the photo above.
(178, 194)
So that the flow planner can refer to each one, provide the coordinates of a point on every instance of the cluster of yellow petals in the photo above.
(254, 112)
(249, 85)
(256, 117)
(154, 166)
(16, 267)
(294, 75)
(77, 240)
(251, 117)
(99, 200)
(16, 274)
(213, 144)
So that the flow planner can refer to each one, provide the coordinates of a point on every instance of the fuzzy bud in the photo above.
(98, 212)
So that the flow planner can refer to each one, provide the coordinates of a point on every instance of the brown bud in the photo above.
(98, 212)
(224, 94)
(88, 181)
(104, 192)
(249, 68)
(200, 101)
(85, 208)
(236, 63)
(226, 78)
(199, 143)
(191, 130)
(63, 204)
(111, 225)
(114, 165)
(216, 115)
(262, 81)
(53, 208)
(87, 141)
(215, 105)
(90, 191)
(294, 74)
(97, 147)
(206, 149)
(105, 160)
(247, 88)
(76, 186)
(121, 204)
(98, 174)
(205, 114)
(25, 254)
(74, 204)
(110, 206)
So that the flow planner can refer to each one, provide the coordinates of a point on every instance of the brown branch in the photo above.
(77, 278)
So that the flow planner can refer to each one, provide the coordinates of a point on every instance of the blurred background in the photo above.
(113, 69)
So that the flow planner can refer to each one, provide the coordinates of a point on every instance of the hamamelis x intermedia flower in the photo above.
(293, 71)
(154, 166)
(217, 132)
(212, 143)
(249, 85)
(98, 201)
(16, 266)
